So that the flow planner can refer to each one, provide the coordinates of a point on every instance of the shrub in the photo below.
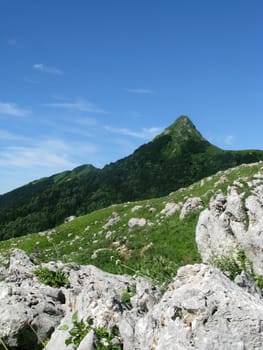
(52, 278)
(104, 338)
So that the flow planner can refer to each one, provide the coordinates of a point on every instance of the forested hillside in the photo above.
(176, 158)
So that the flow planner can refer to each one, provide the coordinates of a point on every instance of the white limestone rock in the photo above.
(189, 205)
(25, 304)
(170, 209)
(203, 310)
(112, 221)
(140, 222)
(136, 207)
(232, 223)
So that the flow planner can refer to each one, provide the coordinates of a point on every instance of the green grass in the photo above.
(156, 249)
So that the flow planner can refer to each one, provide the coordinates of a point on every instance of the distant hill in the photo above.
(177, 157)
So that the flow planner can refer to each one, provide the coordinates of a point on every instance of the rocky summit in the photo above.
(215, 304)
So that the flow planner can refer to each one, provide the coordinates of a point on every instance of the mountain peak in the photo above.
(181, 123)
(182, 129)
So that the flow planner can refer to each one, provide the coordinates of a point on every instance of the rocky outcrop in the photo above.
(201, 309)
(30, 311)
(233, 222)
(100, 296)
(189, 205)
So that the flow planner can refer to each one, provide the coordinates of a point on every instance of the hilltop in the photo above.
(176, 158)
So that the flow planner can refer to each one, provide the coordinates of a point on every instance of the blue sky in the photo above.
(88, 81)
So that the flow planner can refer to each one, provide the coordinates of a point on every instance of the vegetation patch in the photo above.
(104, 339)
(51, 278)
(170, 242)
(232, 266)
(127, 295)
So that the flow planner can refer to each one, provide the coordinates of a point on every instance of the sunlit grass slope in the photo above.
(109, 239)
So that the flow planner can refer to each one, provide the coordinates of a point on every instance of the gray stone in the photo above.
(170, 209)
(136, 207)
(88, 342)
(140, 222)
(226, 227)
(112, 221)
(202, 309)
(189, 205)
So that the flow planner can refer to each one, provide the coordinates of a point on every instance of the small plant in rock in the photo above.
(127, 295)
(52, 278)
(233, 266)
(104, 339)
(78, 332)
(228, 265)
(159, 272)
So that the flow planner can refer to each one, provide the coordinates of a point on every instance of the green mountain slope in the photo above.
(135, 237)
(174, 159)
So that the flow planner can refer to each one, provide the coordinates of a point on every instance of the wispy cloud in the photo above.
(49, 153)
(222, 140)
(47, 69)
(145, 133)
(140, 91)
(229, 140)
(12, 109)
(8, 136)
(86, 121)
(54, 154)
(80, 105)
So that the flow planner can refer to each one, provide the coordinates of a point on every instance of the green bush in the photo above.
(52, 278)
(104, 338)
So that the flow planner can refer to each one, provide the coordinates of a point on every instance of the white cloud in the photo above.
(145, 133)
(79, 105)
(47, 69)
(50, 153)
(140, 91)
(53, 154)
(12, 109)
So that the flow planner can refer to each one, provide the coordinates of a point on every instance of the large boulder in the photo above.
(202, 309)
(233, 222)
